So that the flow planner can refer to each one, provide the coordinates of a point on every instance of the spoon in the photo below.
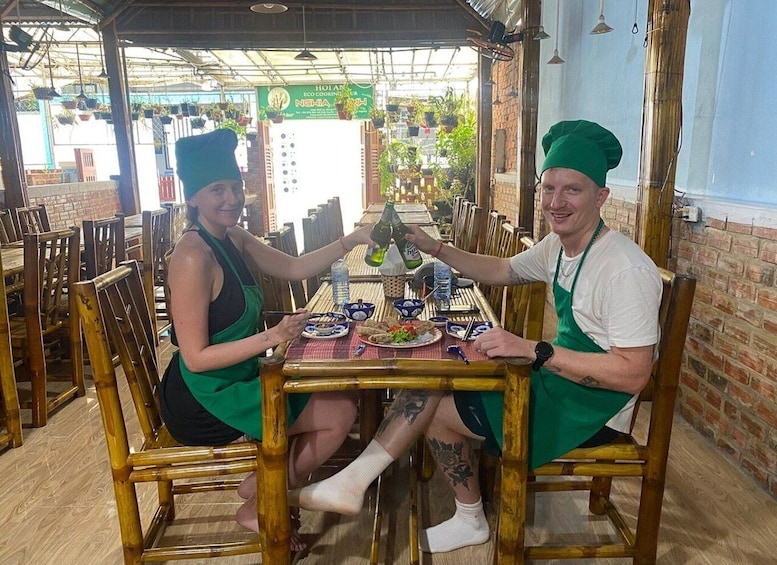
(456, 350)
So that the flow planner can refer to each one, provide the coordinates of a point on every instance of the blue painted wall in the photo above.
(729, 135)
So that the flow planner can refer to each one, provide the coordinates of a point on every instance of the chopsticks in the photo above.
(310, 315)
(468, 331)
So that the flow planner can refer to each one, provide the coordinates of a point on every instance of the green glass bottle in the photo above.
(380, 234)
(411, 256)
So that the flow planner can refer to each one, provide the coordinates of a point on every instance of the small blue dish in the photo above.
(359, 311)
(457, 329)
(439, 321)
(409, 307)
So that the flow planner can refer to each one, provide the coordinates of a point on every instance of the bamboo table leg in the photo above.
(511, 521)
(274, 518)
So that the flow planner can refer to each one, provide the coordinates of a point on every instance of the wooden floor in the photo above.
(57, 508)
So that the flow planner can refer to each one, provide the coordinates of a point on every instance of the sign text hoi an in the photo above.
(313, 101)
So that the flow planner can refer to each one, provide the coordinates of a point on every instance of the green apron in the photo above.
(562, 414)
(232, 394)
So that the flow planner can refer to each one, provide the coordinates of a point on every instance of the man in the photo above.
(607, 294)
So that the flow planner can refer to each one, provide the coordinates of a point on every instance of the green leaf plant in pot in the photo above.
(378, 117)
(455, 162)
(345, 104)
(399, 161)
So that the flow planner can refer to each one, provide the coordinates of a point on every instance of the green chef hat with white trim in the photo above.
(583, 146)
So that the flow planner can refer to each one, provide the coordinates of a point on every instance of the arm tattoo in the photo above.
(450, 457)
(516, 279)
(408, 405)
(589, 381)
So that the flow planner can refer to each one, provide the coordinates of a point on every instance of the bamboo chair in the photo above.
(506, 246)
(10, 416)
(104, 246)
(491, 243)
(462, 222)
(52, 264)
(314, 236)
(626, 456)
(9, 231)
(114, 306)
(336, 215)
(155, 244)
(31, 219)
(286, 240)
(177, 220)
(524, 305)
(458, 202)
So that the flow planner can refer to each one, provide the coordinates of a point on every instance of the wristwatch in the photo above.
(544, 351)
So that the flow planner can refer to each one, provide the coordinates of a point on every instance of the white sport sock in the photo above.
(344, 492)
(468, 526)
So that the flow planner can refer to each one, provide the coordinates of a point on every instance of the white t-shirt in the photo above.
(616, 299)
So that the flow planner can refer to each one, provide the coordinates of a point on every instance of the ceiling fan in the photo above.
(496, 44)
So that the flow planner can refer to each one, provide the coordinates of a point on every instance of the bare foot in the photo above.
(247, 488)
(246, 517)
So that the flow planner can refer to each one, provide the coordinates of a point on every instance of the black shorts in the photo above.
(469, 405)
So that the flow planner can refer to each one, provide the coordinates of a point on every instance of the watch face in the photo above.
(544, 350)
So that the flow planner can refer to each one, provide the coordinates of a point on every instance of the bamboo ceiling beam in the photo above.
(661, 122)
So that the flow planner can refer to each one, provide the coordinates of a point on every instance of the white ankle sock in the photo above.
(344, 492)
(468, 526)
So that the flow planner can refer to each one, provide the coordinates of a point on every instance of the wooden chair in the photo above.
(32, 219)
(10, 416)
(51, 265)
(524, 305)
(9, 231)
(462, 219)
(314, 236)
(286, 240)
(177, 221)
(491, 244)
(336, 216)
(104, 246)
(506, 246)
(155, 245)
(626, 456)
(114, 306)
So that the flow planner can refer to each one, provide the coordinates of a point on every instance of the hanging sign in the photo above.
(313, 101)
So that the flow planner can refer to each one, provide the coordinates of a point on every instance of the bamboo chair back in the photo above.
(314, 236)
(177, 221)
(155, 244)
(524, 305)
(491, 246)
(626, 456)
(52, 263)
(31, 219)
(12, 434)
(336, 217)
(113, 306)
(462, 221)
(506, 246)
(104, 246)
(286, 240)
(472, 230)
(458, 202)
(9, 231)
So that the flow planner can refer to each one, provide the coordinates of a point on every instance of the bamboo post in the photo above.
(483, 195)
(661, 121)
(274, 519)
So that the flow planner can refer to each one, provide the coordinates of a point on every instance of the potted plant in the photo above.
(345, 104)
(41, 92)
(85, 116)
(455, 164)
(197, 123)
(66, 117)
(448, 108)
(69, 104)
(239, 130)
(378, 117)
(276, 103)
(428, 111)
(399, 160)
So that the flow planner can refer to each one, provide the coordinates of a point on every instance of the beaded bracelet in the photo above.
(437, 251)
(343, 245)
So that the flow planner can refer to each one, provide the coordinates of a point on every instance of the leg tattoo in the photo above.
(408, 405)
(450, 458)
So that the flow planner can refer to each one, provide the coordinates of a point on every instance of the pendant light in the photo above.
(52, 91)
(81, 98)
(497, 101)
(556, 60)
(304, 55)
(601, 27)
(102, 74)
(541, 33)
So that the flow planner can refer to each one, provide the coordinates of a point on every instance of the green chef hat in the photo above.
(583, 146)
(203, 159)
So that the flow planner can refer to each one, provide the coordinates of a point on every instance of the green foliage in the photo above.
(344, 94)
(239, 130)
(458, 148)
(399, 159)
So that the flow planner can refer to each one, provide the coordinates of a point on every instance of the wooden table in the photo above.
(414, 213)
(305, 366)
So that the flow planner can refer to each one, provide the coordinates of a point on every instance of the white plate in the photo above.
(311, 333)
(458, 330)
(432, 336)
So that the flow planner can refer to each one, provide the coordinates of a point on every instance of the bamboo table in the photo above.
(305, 366)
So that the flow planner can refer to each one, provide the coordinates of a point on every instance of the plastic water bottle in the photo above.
(340, 288)
(442, 282)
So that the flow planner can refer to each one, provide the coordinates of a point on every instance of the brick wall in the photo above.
(69, 204)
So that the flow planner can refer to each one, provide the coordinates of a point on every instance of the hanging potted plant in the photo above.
(85, 116)
(41, 92)
(275, 106)
(198, 123)
(66, 117)
(69, 104)
(448, 107)
(345, 104)
(378, 117)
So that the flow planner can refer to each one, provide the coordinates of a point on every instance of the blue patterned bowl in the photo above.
(359, 311)
(409, 307)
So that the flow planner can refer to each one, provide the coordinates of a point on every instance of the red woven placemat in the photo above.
(343, 348)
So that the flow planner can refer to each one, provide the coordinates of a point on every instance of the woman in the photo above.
(211, 391)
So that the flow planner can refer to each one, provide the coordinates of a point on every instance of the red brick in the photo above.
(697, 237)
(744, 395)
(765, 342)
(694, 404)
(766, 457)
(751, 359)
(768, 252)
(716, 421)
(766, 233)
(736, 372)
(724, 302)
(767, 298)
(739, 436)
(752, 425)
(712, 357)
(745, 246)
(716, 279)
(731, 264)
(711, 317)
(689, 381)
(715, 223)
(710, 396)
(703, 294)
(741, 288)
(750, 314)
(759, 475)
(765, 389)
(730, 409)
(738, 331)
(735, 227)
(768, 412)
(727, 346)
(707, 256)
(759, 272)
(700, 332)
(719, 239)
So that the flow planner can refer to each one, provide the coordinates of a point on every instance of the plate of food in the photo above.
(458, 329)
(325, 331)
(396, 334)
